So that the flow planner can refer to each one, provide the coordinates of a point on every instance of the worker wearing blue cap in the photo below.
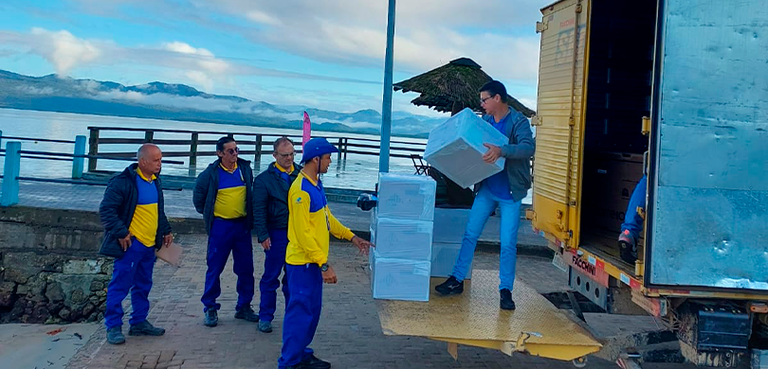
(310, 224)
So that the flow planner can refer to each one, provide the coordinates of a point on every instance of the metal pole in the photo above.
(78, 163)
(386, 106)
(10, 194)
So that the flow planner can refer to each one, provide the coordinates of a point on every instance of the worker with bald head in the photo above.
(135, 226)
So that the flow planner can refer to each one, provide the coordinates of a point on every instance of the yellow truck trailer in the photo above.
(676, 90)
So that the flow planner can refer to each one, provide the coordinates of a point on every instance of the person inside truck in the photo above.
(633, 223)
(505, 190)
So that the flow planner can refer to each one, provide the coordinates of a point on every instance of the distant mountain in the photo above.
(160, 100)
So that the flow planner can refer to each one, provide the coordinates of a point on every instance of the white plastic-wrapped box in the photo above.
(400, 279)
(406, 197)
(444, 257)
(456, 149)
(403, 238)
(449, 225)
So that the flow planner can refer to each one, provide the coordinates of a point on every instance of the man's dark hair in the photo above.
(280, 141)
(495, 88)
(223, 141)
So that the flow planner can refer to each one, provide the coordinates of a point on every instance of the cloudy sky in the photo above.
(327, 54)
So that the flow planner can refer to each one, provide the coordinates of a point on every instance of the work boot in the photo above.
(450, 287)
(265, 326)
(628, 247)
(506, 300)
(145, 329)
(115, 335)
(247, 313)
(312, 362)
(211, 317)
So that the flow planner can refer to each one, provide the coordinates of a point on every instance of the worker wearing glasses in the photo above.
(223, 194)
(270, 222)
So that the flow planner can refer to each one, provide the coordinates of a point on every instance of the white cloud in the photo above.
(263, 18)
(64, 50)
(30, 90)
(122, 95)
(190, 64)
(498, 34)
(206, 68)
(428, 33)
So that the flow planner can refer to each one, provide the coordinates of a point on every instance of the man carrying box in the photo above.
(505, 190)
(310, 224)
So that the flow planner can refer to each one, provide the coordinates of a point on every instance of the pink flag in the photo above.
(307, 129)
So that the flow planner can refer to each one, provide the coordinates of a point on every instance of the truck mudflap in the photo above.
(474, 318)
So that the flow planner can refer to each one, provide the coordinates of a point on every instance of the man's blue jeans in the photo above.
(632, 220)
(484, 205)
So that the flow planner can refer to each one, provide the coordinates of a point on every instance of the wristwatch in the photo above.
(324, 267)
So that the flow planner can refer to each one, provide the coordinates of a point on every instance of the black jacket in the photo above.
(270, 200)
(207, 186)
(117, 208)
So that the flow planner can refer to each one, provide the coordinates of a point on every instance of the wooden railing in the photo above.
(260, 143)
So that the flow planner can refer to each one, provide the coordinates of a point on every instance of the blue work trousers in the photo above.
(132, 272)
(632, 220)
(302, 313)
(482, 208)
(274, 264)
(229, 236)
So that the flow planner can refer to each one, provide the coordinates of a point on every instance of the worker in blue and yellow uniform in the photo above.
(135, 225)
(223, 195)
(310, 224)
(270, 223)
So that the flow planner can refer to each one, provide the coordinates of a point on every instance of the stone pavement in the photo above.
(178, 204)
(349, 334)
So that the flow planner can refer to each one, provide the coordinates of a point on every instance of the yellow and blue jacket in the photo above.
(144, 223)
(230, 198)
(206, 193)
(310, 223)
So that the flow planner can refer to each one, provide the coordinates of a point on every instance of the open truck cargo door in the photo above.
(559, 121)
(708, 189)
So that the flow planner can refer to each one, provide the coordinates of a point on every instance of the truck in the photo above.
(676, 90)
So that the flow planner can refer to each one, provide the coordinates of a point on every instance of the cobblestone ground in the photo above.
(349, 334)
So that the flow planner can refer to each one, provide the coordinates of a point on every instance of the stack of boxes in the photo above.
(402, 229)
(448, 232)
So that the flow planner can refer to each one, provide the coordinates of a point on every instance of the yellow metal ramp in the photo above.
(474, 318)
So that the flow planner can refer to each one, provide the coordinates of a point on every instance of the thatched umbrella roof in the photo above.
(452, 87)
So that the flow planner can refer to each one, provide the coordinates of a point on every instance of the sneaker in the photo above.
(145, 329)
(265, 326)
(450, 287)
(115, 335)
(506, 300)
(211, 318)
(628, 247)
(312, 362)
(247, 313)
